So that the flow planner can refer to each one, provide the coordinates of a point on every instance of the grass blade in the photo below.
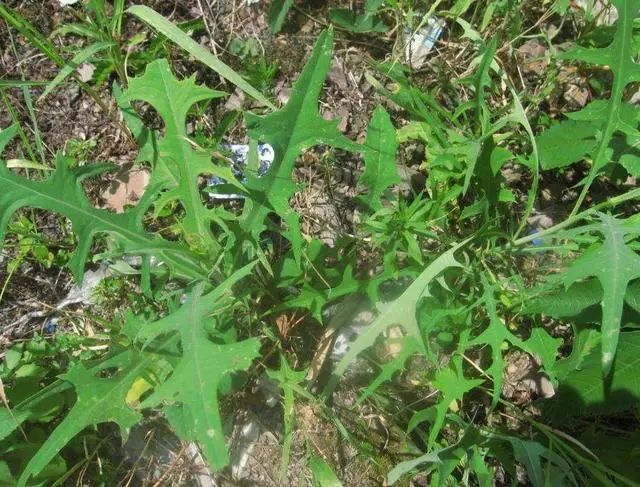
(17, 83)
(31, 33)
(172, 32)
(69, 67)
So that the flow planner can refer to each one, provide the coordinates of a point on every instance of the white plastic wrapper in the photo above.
(418, 44)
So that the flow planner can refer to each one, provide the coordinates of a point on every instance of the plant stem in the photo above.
(610, 203)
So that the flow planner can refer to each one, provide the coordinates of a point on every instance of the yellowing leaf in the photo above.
(138, 388)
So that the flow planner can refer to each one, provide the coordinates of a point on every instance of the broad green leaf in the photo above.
(82, 56)
(615, 265)
(584, 342)
(566, 303)
(277, 14)
(99, 400)
(177, 164)
(172, 32)
(401, 311)
(380, 148)
(7, 135)
(62, 193)
(565, 143)
(544, 347)
(288, 379)
(323, 476)
(290, 130)
(191, 390)
(582, 392)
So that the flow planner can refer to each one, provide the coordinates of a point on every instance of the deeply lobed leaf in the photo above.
(62, 193)
(177, 165)
(615, 265)
(191, 391)
(290, 130)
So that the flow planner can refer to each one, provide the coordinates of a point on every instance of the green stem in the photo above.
(610, 203)
(614, 106)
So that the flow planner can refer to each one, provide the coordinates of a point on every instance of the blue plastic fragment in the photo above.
(50, 326)
(536, 242)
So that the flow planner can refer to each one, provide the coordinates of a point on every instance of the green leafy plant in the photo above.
(368, 21)
(278, 14)
(455, 301)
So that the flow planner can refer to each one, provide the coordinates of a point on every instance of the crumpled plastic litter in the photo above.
(83, 293)
(240, 155)
(419, 43)
(242, 447)
(51, 325)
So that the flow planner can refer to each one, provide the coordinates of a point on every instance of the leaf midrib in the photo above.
(95, 214)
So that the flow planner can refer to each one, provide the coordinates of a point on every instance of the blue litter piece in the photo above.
(536, 242)
(50, 326)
